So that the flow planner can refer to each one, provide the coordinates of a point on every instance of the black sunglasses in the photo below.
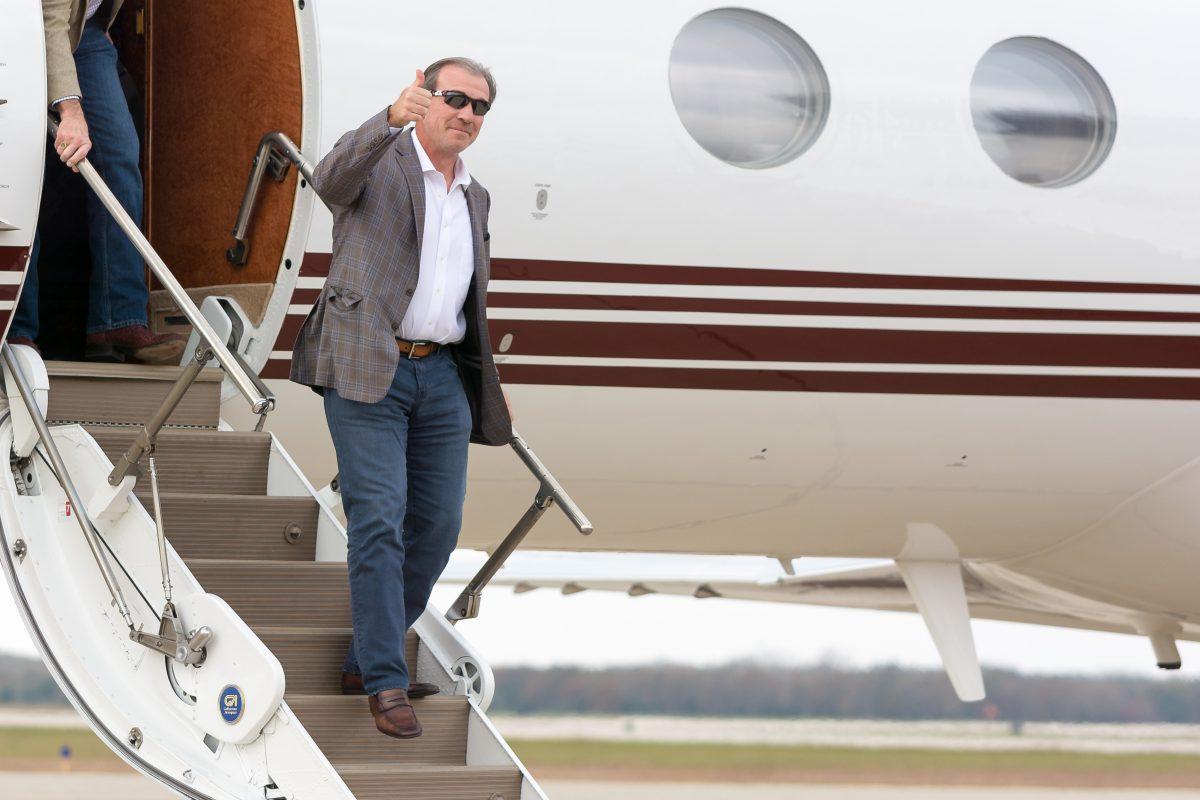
(459, 100)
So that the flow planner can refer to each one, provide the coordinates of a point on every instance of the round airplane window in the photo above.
(1042, 113)
(747, 88)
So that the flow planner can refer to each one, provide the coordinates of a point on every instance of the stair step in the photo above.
(312, 657)
(374, 782)
(196, 461)
(344, 730)
(238, 526)
(279, 594)
(128, 393)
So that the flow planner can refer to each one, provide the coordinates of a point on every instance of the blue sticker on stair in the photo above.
(232, 704)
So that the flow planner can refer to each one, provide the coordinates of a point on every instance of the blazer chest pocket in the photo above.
(342, 299)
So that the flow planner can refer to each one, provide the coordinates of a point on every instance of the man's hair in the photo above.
(469, 64)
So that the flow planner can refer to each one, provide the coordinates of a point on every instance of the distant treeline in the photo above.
(25, 681)
(759, 690)
(749, 689)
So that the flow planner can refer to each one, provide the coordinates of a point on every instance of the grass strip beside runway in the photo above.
(789, 763)
(38, 749)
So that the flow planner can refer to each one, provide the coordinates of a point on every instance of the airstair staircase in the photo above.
(247, 526)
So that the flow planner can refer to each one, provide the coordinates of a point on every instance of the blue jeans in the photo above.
(402, 465)
(117, 294)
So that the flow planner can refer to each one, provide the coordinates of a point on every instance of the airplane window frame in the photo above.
(1067, 78)
(700, 93)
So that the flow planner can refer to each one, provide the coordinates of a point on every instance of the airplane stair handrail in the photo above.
(261, 400)
(275, 152)
(550, 492)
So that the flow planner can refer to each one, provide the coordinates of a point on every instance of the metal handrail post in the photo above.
(148, 433)
(258, 403)
(466, 605)
(64, 479)
(550, 492)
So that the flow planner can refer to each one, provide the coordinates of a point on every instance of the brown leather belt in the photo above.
(418, 349)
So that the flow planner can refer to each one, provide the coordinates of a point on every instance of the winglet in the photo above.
(933, 575)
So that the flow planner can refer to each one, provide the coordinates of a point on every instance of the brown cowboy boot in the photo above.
(394, 715)
(352, 683)
(136, 343)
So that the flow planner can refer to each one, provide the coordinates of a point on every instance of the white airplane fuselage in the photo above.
(805, 359)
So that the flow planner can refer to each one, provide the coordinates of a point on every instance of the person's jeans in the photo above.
(402, 467)
(117, 294)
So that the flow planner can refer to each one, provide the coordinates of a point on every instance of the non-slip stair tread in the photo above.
(96, 369)
(321, 567)
(344, 730)
(372, 781)
(249, 500)
(194, 460)
(128, 393)
(244, 527)
(345, 704)
(279, 593)
(306, 630)
(312, 659)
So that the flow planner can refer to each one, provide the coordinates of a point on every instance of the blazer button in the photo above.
(409, 292)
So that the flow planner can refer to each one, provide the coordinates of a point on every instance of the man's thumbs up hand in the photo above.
(412, 103)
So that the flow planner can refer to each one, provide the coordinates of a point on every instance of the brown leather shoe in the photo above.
(352, 683)
(394, 715)
(134, 342)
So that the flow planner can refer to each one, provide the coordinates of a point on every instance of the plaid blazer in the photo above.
(372, 181)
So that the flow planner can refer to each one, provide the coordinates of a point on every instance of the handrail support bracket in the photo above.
(466, 606)
(149, 433)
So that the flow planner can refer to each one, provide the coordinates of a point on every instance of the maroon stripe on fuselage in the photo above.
(850, 345)
(1105, 387)
(288, 331)
(592, 302)
(13, 258)
(305, 296)
(537, 270)
(740, 306)
(316, 265)
(276, 368)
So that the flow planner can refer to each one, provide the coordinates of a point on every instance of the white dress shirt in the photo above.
(435, 313)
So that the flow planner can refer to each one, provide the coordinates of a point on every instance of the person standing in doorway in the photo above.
(398, 346)
(94, 122)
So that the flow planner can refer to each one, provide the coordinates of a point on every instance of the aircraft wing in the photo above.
(880, 587)
(947, 595)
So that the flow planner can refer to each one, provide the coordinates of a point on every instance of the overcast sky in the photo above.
(544, 627)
